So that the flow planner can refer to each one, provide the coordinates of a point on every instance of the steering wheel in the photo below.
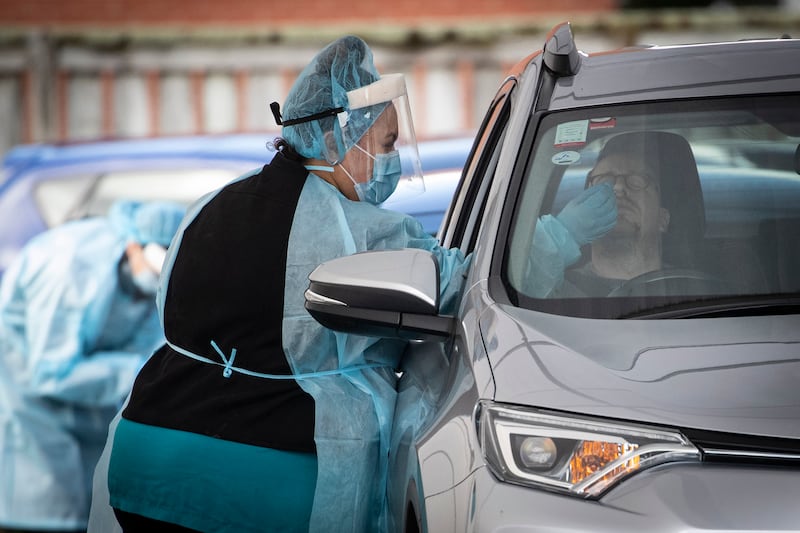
(672, 282)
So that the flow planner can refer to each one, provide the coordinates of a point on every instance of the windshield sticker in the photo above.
(566, 158)
(571, 133)
(602, 123)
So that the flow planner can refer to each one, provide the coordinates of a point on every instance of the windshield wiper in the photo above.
(725, 306)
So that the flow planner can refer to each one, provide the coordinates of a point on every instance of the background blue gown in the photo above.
(71, 342)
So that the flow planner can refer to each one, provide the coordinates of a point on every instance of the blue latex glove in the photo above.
(591, 214)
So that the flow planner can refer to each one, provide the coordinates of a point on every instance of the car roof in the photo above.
(436, 152)
(649, 73)
(229, 145)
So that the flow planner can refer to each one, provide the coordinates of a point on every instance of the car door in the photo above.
(434, 373)
(464, 214)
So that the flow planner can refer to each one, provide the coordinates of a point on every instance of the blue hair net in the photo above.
(146, 222)
(321, 89)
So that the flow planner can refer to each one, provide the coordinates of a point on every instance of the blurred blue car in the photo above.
(44, 185)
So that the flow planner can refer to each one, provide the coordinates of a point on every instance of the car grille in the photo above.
(751, 449)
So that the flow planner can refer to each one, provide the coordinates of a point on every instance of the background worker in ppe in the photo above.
(253, 417)
(77, 320)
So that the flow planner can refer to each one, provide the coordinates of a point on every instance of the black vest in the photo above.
(227, 286)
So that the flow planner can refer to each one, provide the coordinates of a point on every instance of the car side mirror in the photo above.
(386, 293)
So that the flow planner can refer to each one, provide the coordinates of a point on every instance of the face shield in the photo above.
(368, 131)
(380, 145)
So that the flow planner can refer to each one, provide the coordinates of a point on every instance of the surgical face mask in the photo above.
(146, 281)
(154, 255)
(386, 172)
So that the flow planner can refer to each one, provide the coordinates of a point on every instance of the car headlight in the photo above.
(581, 456)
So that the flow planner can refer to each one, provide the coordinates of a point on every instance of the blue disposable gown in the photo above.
(71, 343)
(354, 414)
(554, 250)
(353, 410)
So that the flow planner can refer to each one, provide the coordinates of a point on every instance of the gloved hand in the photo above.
(591, 214)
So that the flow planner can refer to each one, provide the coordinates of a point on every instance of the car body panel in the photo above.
(661, 499)
(685, 373)
(673, 72)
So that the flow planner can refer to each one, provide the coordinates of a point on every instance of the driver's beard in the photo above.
(618, 242)
(628, 252)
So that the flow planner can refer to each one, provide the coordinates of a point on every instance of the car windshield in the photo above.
(68, 194)
(707, 197)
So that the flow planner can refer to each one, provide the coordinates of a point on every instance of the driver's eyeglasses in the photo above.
(634, 182)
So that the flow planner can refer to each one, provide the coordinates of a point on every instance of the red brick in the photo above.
(215, 12)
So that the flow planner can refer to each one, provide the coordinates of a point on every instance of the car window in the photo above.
(57, 198)
(185, 186)
(82, 195)
(464, 215)
(711, 221)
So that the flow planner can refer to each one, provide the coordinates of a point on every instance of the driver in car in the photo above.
(633, 246)
(619, 215)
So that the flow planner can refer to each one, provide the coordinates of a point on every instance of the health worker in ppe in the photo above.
(253, 417)
(78, 318)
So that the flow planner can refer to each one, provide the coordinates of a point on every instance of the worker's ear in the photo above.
(331, 148)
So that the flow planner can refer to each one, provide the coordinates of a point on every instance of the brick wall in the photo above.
(273, 13)
(82, 69)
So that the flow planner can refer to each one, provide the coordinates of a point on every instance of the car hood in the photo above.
(737, 375)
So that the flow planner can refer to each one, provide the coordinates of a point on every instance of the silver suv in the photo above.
(637, 375)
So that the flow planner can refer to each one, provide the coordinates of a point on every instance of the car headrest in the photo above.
(797, 159)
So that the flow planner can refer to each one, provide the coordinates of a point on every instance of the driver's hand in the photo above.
(591, 214)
